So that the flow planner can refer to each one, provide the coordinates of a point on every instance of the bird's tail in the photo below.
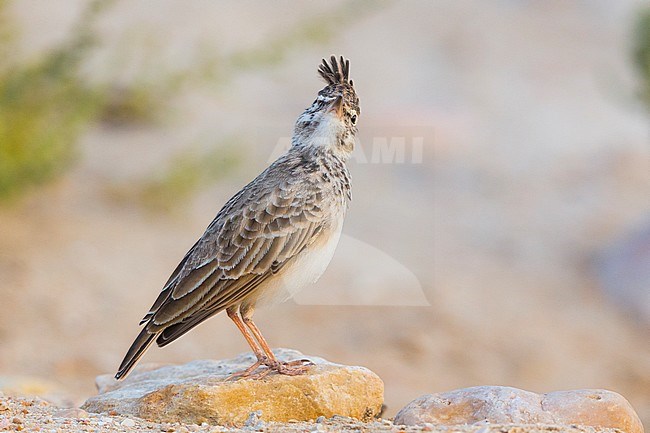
(137, 349)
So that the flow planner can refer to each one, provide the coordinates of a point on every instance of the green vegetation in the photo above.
(138, 103)
(188, 171)
(45, 103)
(43, 108)
(313, 31)
(316, 30)
(642, 53)
(183, 176)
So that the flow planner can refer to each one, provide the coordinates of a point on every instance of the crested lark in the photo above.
(271, 238)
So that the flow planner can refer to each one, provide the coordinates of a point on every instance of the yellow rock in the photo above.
(197, 392)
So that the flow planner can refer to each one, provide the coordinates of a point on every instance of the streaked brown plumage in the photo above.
(274, 236)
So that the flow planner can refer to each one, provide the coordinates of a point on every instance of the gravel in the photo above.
(36, 415)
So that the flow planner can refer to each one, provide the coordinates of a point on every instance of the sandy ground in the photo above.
(35, 415)
(471, 266)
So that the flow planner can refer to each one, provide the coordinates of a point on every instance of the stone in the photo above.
(504, 405)
(72, 412)
(128, 423)
(198, 392)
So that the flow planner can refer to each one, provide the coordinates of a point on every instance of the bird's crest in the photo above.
(336, 72)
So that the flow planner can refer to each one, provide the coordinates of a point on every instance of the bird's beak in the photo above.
(337, 107)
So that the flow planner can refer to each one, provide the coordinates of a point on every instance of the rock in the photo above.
(128, 423)
(72, 412)
(504, 405)
(197, 392)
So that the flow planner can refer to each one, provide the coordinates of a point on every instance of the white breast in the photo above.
(306, 268)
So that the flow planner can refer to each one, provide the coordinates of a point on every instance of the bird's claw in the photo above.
(289, 368)
(248, 372)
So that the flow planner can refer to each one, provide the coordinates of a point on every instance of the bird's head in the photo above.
(331, 120)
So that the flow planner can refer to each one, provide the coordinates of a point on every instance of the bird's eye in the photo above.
(353, 119)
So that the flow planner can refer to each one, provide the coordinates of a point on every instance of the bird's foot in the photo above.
(290, 368)
(249, 371)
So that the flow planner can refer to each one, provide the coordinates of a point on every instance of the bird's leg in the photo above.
(259, 354)
(291, 368)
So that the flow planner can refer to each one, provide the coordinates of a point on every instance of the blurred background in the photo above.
(500, 227)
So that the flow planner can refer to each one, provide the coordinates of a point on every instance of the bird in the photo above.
(273, 237)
